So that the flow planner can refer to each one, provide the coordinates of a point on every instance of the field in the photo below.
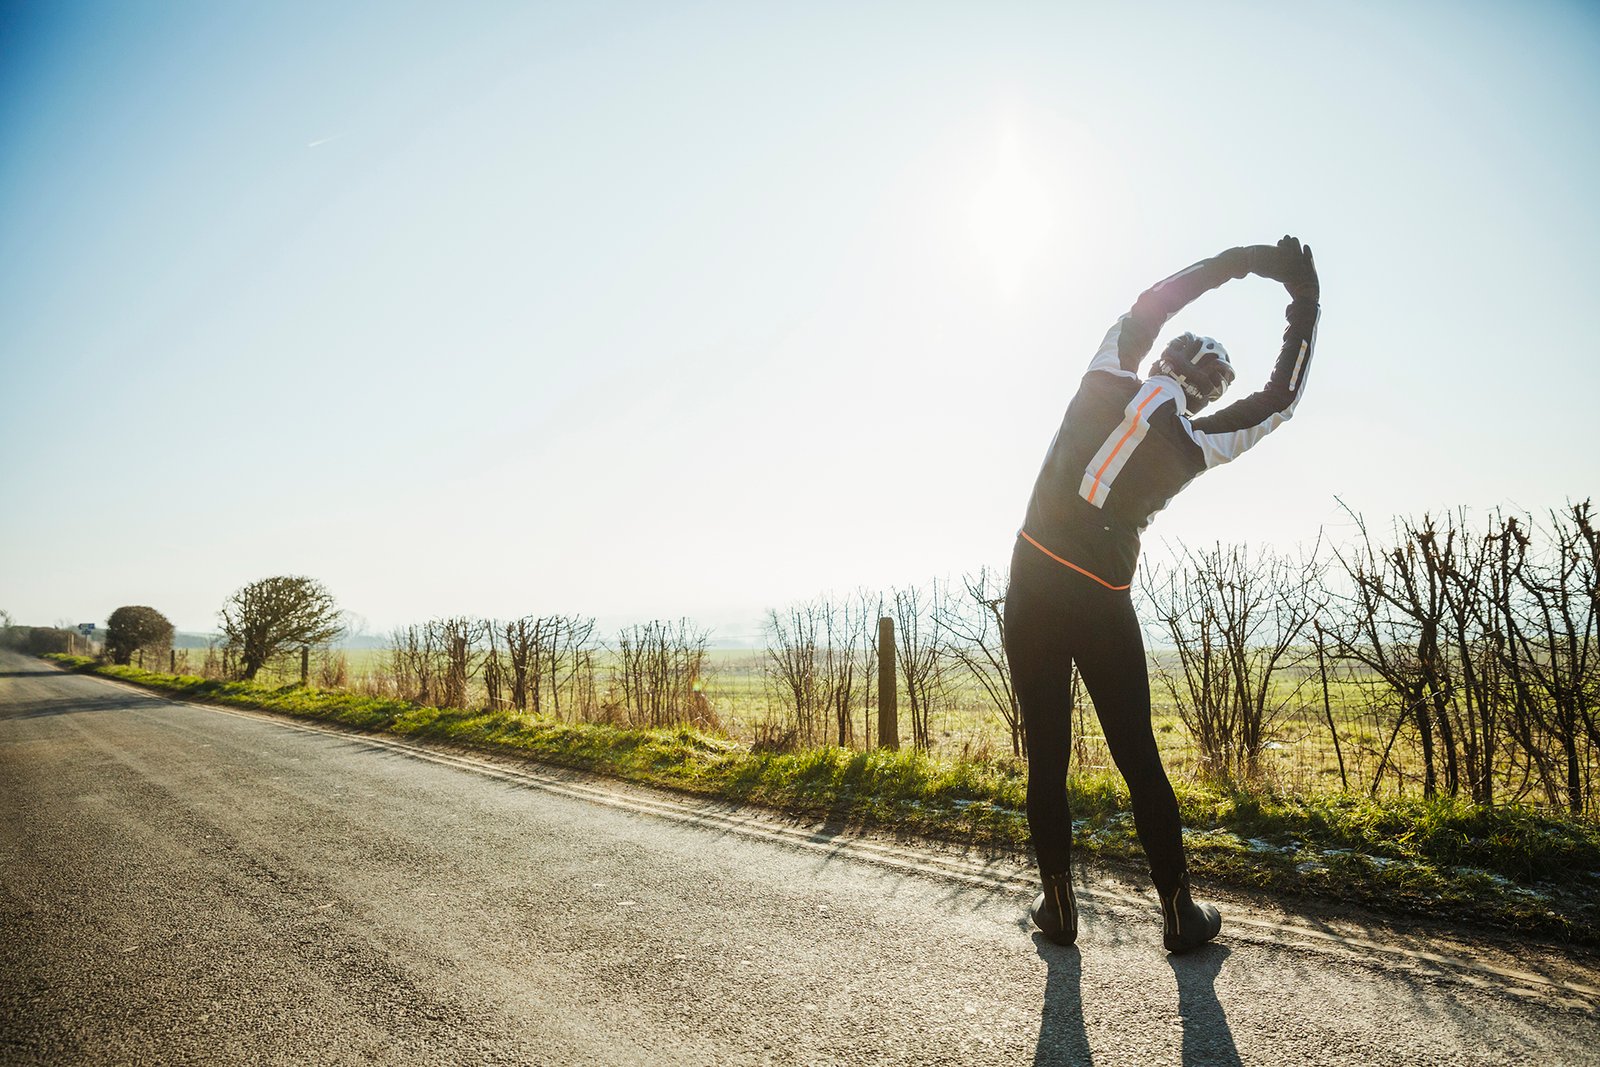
(745, 705)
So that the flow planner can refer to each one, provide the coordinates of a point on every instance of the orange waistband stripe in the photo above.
(1068, 563)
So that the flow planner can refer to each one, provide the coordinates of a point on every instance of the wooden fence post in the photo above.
(305, 664)
(888, 723)
(172, 655)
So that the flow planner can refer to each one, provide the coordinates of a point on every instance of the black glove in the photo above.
(1297, 270)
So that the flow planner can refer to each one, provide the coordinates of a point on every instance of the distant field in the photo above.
(1300, 759)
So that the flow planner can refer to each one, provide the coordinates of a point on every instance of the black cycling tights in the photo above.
(1055, 617)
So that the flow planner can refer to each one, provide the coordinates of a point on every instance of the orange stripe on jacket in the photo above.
(1124, 440)
(1074, 566)
(1118, 448)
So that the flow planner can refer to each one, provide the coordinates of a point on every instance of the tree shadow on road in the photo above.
(1062, 1037)
(1206, 1036)
(66, 705)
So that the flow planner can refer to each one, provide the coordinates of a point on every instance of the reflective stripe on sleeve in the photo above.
(1113, 455)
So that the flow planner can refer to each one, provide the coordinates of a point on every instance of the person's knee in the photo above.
(1142, 770)
(1153, 790)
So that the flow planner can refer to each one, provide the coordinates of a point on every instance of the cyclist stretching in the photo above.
(1126, 446)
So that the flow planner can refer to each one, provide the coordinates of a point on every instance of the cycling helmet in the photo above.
(1199, 364)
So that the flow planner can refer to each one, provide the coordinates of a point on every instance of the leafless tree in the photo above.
(572, 664)
(549, 664)
(414, 658)
(333, 669)
(1487, 641)
(268, 617)
(869, 609)
(1235, 618)
(841, 639)
(494, 666)
(791, 666)
(525, 644)
(1324, 648)
(1471, 629)
(661, 668)
(975, 624)
(459, 639)
(1393, 630)
(920, 648)
(818, 662)
(1551, 651)
(212, 665)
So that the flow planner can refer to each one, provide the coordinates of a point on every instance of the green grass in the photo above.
(1442, 858)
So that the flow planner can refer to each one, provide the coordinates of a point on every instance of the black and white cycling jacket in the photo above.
(1126, 445)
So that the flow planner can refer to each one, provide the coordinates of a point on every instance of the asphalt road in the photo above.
(190, 885)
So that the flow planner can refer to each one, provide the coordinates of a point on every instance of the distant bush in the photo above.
(134, 627)
(36, 640)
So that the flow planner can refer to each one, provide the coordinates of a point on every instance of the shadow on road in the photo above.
(1062, 1037)
(1206, 1036)
(73, 705)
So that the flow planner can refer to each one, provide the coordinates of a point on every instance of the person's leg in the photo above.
(1111, 660)
(1041, 674)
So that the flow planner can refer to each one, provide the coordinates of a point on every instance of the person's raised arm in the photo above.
(1227, 433)
(1129, 340)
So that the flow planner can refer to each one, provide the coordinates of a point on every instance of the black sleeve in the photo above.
(1264, 410)
(1167, 297)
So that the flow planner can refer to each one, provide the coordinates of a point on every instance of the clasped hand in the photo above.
(1288, 262)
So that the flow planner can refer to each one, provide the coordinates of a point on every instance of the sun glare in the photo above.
(1011, 217)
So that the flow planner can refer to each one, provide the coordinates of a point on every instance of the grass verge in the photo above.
(1506, 866)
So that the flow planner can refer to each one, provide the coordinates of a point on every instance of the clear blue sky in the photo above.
(655, 310)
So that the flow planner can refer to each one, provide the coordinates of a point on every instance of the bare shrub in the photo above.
(1550, 652)
(1486, 642)
(791, 667)
(413, 657)
(569, 665)
(976, 629)
(1233, 617)
(774, 736)
(333, 670)
(819, 659)
(526, 642)
(660, 672)
(920, 650)
(494, 668)
(459, 639)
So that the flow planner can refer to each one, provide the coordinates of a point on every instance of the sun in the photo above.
(1011, 216)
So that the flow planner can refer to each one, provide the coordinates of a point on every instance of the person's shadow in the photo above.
(1206, 1036)
(1207, 1039)
(1062, 1037)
